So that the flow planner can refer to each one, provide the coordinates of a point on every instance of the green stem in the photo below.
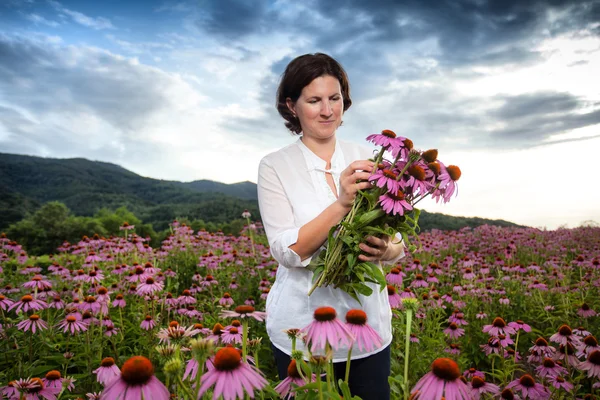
(516, 350)
(185, 388)
(406, 352)
(319, 385)
(348, 360)
(244, 337)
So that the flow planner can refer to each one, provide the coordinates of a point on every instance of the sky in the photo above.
(508, 90)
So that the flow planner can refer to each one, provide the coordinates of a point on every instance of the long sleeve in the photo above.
(277, 217)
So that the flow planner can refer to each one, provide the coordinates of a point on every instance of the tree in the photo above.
(46, 229)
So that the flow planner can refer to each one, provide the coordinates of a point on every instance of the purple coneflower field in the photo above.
(485, 313)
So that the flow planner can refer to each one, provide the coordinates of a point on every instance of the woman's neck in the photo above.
(324, 149)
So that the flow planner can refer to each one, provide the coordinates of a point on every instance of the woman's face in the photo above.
(319, 107)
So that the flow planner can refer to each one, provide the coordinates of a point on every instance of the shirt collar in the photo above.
(315, 163)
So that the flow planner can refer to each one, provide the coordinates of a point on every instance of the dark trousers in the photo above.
(368, 376)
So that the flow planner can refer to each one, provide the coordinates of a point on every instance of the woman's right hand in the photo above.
(353, 179)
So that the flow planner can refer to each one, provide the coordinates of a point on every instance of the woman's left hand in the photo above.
(375, 248)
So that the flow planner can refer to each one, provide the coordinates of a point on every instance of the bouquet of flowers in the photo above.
(387, 208)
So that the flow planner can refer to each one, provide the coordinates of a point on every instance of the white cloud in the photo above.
(98, 23)
(38, 19)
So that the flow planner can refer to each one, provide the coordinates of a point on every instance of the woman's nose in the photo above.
(326, 108)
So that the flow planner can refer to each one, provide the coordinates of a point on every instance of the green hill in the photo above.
(85, 187)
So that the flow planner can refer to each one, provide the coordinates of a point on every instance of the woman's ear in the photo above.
(291, 105)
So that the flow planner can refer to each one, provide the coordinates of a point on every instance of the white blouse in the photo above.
(292, 191)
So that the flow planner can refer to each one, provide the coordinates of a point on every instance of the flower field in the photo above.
(478, 314)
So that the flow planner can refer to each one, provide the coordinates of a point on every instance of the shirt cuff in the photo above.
(289, 257)
(394, 260)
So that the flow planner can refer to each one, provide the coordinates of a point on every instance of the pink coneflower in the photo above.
(453, 348)
(216, 332)
(226, 300)
(90, 304)
(386, 178)
(394, 297)
(126, 227)
(519, 325)
(209, 280)
(34, 322)
(468, 274)
(419, 281)
(57, 303)
(293, 378)
(175, 332)
(327, 329)
(471, 372)
(387, 139)
(558, 382)
(232, 335)
(5, 302)
(186, 298)
(34, 389)
(230, 376)
(443, 381)
(453, 331)
(419, 179)
(366, 338)
(107, 371)
(53, 379)
(139, 275)
(148, 323)
(492, 346)
(479, 387)
(528, 388)
(592, 364)
(137, 380)
(448, 177)
(119, 301)
(110, 330)
(564, 336)
(243, 312)
(150, 286)
(540, 350)
(71, 323)
(498, 327)
(481, 315)
(10, 391)
(37, 282)
(94, 277)
(28, 303)
(585, 311)
(394, 203)
(550, 368)
(581, 331)
(588, 345)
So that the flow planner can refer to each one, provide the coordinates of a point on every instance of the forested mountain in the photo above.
(87, 186)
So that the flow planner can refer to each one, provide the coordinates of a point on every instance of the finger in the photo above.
(364, 185)
(364, 165)
(376, 241)
(364, 257)
(361, 176)
(375, 251)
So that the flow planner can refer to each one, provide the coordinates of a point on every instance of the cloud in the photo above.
(98, 23)
(39, 20)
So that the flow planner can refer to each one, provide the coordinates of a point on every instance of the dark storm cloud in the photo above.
(232, 18)
(55, 91)
(44, 78)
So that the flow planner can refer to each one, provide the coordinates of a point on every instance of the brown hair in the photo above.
(299, 73)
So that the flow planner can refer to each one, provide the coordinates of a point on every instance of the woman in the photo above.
(305, 189)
